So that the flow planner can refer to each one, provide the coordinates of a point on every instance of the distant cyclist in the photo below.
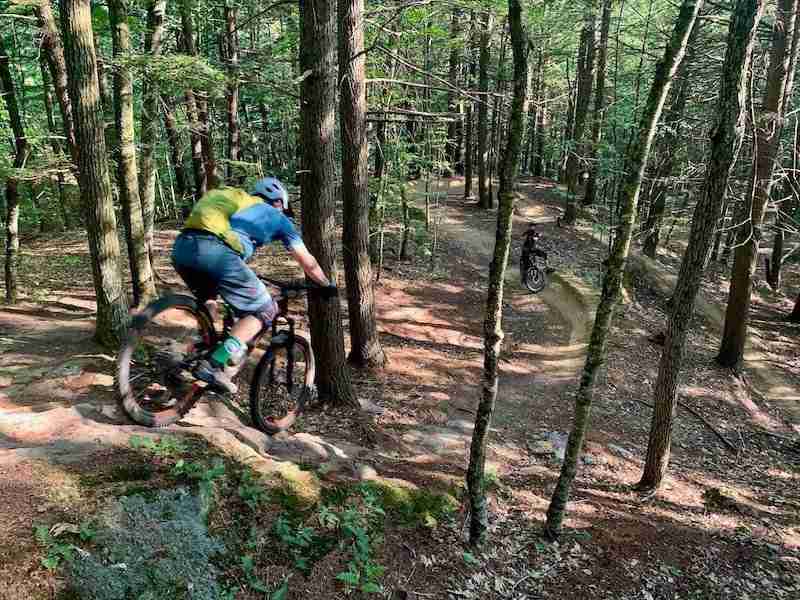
(224, 229)
(530, 249)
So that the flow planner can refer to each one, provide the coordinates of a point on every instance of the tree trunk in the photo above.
(174, 139)
(54, 53)
(232, 92)
(365, 346)
(198, 105)
(21, 149)
(795, 316)
(725, 144)
(541, 119)
(47, 96)
(95, 187)
(317, 184)
(470, 118)
(454, 103)
(150, 121)
(791, 187)
(768, 136)
(144, 289)
(583, 93)
(673, 122)
(599, 103)
(484, 197)
(492, 326)
(634, 162)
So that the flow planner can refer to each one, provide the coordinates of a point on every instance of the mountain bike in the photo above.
(534, 275)
(168, 339)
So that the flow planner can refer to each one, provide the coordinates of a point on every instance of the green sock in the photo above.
(231, 349)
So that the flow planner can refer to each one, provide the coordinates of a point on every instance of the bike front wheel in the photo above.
(282, 385)
(535, 279)
(154, 367)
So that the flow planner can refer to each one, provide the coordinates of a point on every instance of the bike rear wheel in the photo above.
(154, 367)
(535, 279)
(282, 385)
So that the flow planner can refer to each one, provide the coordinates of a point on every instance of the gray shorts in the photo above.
(211, 268)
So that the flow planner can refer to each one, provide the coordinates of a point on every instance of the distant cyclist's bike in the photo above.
(534, 275)
(168, 339)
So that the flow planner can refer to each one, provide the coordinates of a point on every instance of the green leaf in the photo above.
(349, 577)
(282, 592)
(470, 559)
(51, 562)
(371, 588)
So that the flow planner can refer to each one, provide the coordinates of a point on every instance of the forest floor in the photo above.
(724, 525)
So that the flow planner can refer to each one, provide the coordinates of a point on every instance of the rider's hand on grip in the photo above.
(329, 291)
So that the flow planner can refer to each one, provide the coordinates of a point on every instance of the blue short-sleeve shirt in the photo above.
(261, 224)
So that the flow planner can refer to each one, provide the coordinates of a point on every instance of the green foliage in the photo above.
(56, 551)
(152, 549)
(164, 447)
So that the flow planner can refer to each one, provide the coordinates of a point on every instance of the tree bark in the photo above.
(150, 121)
(365, 346)
(726, 141)
(599, 103)
(174, 139)
(21, 150)
(144, 288)
(47, 96)
(493, 330)
(54, 53)
(634, 163)
(768, 135)
(454, 103)
(484, 196)
(795, 316)
(93, 179)
(583, 94)
(317, 184)
(232, 92)
(470, 118)
(198, 105)
(671, 139)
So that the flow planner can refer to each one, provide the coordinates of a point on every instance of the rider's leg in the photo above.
(245, 293)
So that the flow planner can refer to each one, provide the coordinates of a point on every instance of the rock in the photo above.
(588, 459)
(559, 442)
(621, 451)
(370, 407)
(462, 425)
(365, 472)
(5, 382)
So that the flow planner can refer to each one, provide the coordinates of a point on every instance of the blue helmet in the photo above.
(271, 190)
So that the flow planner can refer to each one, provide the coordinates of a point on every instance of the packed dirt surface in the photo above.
(725, 525)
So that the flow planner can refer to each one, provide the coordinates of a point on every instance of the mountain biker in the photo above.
(529, 247)
(226, 226)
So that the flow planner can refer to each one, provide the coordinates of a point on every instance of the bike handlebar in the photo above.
(301, 285)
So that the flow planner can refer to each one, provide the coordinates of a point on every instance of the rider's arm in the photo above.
(309, 264)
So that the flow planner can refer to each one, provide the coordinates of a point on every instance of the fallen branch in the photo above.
(701, 418)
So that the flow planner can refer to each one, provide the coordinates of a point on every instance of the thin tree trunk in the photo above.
(47, 95)
(95, 186)
(493, 330)
(232, 93)
(768, 135)
(54, 53)
(484, 197)
(469, 120)
(725, 144)
(541, 118)
(21, 149)
(365, 346)
(150, 122)
(583, 94)
(599, 103)
(453, 99)
(317, 184)
(634, 162)
(673, 121)
(199, 102)
(174, 139)
(144, 288)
